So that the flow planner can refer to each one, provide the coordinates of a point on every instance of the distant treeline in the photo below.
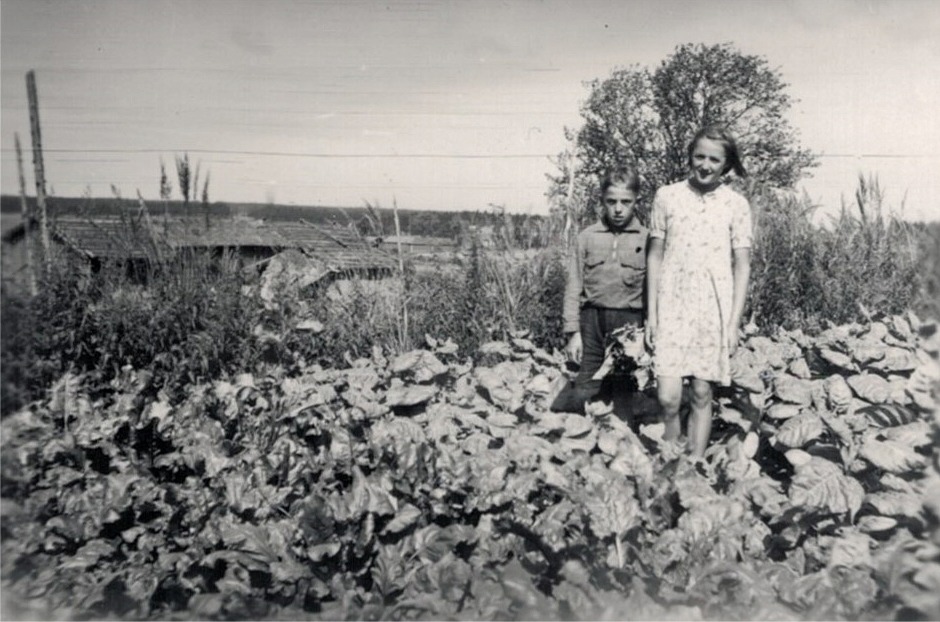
(437, 223)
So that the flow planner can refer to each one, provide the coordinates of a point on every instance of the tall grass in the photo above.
(184, 319)
(484, 295)
(859, 262)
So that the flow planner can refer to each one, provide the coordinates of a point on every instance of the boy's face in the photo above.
(618, 204)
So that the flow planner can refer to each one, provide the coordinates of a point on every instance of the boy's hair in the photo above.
(720, 135)
(620, 175)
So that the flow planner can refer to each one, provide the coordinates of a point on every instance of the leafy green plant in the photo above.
(419, 485)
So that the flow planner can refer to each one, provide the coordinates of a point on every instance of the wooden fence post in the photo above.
(569, 202)
(37, 164)
(405, 337)
(27, 221)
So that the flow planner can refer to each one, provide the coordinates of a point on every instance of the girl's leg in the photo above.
(700, 417)
(669, 392)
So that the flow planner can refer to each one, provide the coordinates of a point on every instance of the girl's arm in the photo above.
(654, 262)
(741, 269)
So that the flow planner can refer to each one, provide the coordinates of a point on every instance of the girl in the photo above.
(697, 272)
(604, 288)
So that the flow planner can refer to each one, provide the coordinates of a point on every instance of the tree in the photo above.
(645, 119)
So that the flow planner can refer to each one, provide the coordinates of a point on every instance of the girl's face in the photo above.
(619, 203)
(708, 162)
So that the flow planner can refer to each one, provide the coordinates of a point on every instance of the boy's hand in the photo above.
(574, 349)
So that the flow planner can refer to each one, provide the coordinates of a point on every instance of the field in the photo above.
(176, 445)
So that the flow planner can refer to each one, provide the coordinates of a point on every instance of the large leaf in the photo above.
(890, 481)
(368, 495)
(88, 555)
(577, 425)
(527, 448)
(838, 359)
(406, 516)
(704, 521)
(612, 509)
(892, 503)
(870, 387)
(865, 351)
(898, 386)
(916, 434)
(800, 369)
(504, 384)
(851, 550)
(745, 370)
(695, 491)
(895, 360)
(410, 395)
(800, 430)
(793, 390)
(764, 492)
(891, 455)
(784, 411)
(821, 485)
(887, 415)
(585, 442)
(770, 353)
(876, 524)
(838, 393)
(839, 427)
(265, 545)
(423, 365)
(397, 434)
(632, 459)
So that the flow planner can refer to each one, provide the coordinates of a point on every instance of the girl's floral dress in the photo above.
(695, 295)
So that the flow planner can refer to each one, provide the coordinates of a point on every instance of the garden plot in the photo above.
(423, 486)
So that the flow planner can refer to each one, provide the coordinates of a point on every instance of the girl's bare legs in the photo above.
(669, 392)
(700, 417)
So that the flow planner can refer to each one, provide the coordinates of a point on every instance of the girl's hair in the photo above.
(621, 175)
(720, 135)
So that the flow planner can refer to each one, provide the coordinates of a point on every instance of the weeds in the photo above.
(186, 320)
(805, 275)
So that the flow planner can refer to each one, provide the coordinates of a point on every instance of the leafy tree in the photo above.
(645, 119)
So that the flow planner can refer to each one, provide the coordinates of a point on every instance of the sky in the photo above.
(436, 104)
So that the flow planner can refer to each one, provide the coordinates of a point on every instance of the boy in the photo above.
(604, 289)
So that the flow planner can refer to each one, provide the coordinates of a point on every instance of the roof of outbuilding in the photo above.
(341, 248)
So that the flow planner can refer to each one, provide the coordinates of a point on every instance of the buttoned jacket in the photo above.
(606, 269)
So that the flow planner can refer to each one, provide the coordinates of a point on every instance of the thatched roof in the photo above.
(340, 248)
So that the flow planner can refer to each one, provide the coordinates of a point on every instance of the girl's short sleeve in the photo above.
(658, 217)
(742, 229)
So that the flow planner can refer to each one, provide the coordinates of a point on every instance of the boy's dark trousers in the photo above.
(596, 325)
